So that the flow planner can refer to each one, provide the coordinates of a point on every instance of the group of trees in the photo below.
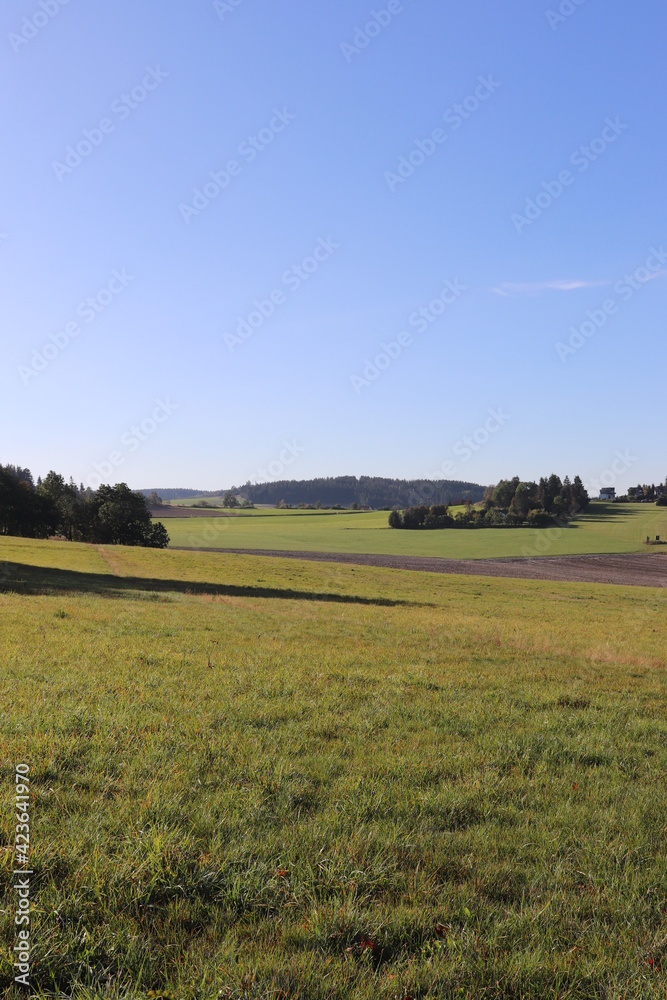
(645, 493)
(559, 498)
(436, 516)
(318, 506)
(230, 499)
(110, 515)
(510, 504)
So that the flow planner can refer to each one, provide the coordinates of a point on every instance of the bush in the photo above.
(438, 517)
(494, 518)
(539, 519)
(414, 517)
(432, 523)
(121, 517)
(157, 537)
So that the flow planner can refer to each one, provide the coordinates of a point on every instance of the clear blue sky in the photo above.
(172, 91)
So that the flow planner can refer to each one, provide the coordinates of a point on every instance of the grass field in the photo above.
(238, 512)
(608, 528)
(257, 778)
(189, 501)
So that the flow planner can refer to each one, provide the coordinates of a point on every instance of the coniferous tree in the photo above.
(113, 514)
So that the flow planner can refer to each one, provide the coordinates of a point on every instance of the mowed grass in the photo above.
(257, 778)
(607, 528)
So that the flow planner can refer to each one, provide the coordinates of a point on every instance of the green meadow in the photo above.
(265, 778)
(607, 528)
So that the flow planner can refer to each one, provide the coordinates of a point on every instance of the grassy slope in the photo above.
(608, 528)
(247, 770)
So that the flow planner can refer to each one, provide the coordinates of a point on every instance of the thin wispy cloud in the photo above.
(507, 288)
(656, 274)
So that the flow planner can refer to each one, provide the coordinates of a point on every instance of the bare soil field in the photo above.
(626, 569)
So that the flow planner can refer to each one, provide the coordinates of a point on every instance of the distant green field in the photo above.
(273, 511)
(191, 501)
(607, 528)
(261, 779)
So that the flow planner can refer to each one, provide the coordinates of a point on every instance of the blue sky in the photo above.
(369, 159)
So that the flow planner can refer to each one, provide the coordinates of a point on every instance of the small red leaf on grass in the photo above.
(369, 943)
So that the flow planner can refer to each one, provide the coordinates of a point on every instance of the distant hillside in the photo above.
(366, 491)
(182, 494)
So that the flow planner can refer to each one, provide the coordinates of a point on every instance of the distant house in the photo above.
(607, 493)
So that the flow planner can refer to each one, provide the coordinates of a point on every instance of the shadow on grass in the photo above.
(19, 578)
(611, 512)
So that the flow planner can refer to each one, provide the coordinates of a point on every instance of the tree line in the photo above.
(510, 504)
(110, 515)
(365, 491)
(647, 493)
